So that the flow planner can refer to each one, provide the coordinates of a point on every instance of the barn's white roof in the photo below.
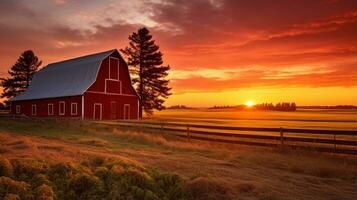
(66, 78)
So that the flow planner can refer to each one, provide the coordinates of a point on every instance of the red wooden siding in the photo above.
(105, 82)
(109, 111)
(42, 107)
(110, 94)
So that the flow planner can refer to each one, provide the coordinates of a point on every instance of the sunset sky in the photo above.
(222, 52)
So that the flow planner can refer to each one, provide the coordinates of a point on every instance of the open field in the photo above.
(207, 171)
(304, 118)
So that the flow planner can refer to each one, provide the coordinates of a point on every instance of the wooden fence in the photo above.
(338, 141)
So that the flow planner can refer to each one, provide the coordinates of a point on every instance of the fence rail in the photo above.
(339, 141)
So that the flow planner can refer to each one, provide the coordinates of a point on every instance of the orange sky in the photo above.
(221, 51)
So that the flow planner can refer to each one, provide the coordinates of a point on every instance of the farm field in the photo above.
(303, 118)
(205, 170)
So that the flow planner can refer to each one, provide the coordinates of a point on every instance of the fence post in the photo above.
(188, 132)
(281, 136)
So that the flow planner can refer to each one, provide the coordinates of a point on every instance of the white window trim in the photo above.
(33, 109)
(48, 109)
(117, 68)
(128, 95)
(101, 110)
(76, 110)
(105, 86)
(126, 105)
(59, 108)
(18, 109)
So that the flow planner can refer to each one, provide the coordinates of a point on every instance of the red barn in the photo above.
(96, 86)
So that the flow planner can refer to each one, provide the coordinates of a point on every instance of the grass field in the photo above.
(148, 162)
(305, 118)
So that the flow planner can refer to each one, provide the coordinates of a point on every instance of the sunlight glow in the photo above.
(249, 103)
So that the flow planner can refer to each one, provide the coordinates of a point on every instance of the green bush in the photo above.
(170, 185)
(26, 168)
(100, 179)
(85, 185)
(62, 169)
(5, 167)
(40, 179)
(9, 186)
(207, 189)
(102, 173)
(44, 192)
(12, 197)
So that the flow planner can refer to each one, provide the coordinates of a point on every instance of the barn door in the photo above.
(126, 111)
(97, 111)
(113, 110)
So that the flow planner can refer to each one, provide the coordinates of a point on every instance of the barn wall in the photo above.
(104, 82)
(105, 100)
(42, 106)
(109, 88)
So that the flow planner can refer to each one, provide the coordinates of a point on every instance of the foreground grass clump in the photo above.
(95, 179)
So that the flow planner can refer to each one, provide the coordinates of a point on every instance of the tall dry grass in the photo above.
(303, 163)
(156, 139)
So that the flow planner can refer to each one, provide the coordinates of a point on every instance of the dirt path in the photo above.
(244, 177)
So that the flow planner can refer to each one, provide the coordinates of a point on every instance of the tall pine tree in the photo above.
(21, 74)
(149, 75)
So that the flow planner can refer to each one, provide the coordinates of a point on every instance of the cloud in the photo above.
(210, 45)
(260, 76)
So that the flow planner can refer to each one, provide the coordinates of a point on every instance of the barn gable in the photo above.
(113, 77)
(67, 78)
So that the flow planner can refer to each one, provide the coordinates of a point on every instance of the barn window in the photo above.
(114, 68)
(50, 109)
(74, 107)
(33, 109)
(62, 108)
(18, 109)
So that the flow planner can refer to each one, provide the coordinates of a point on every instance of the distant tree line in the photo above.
(222, 107)
(329, 107)
(178, 107)
(284, 106)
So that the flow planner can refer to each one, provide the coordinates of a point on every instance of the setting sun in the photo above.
(249, 103)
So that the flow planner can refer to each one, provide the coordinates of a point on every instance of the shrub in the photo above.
(44, 192)
(63, 169)
(137, 178)
(170, 185)
(10, 186)
(102, 173)
(5, 167)
(207, 189)
(40, 179)
(12, 197)
(117, 170)
(83, 185)
(26, 168)
(109, 180)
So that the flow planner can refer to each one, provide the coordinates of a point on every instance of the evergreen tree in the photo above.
(145, 61)
(21, 74)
